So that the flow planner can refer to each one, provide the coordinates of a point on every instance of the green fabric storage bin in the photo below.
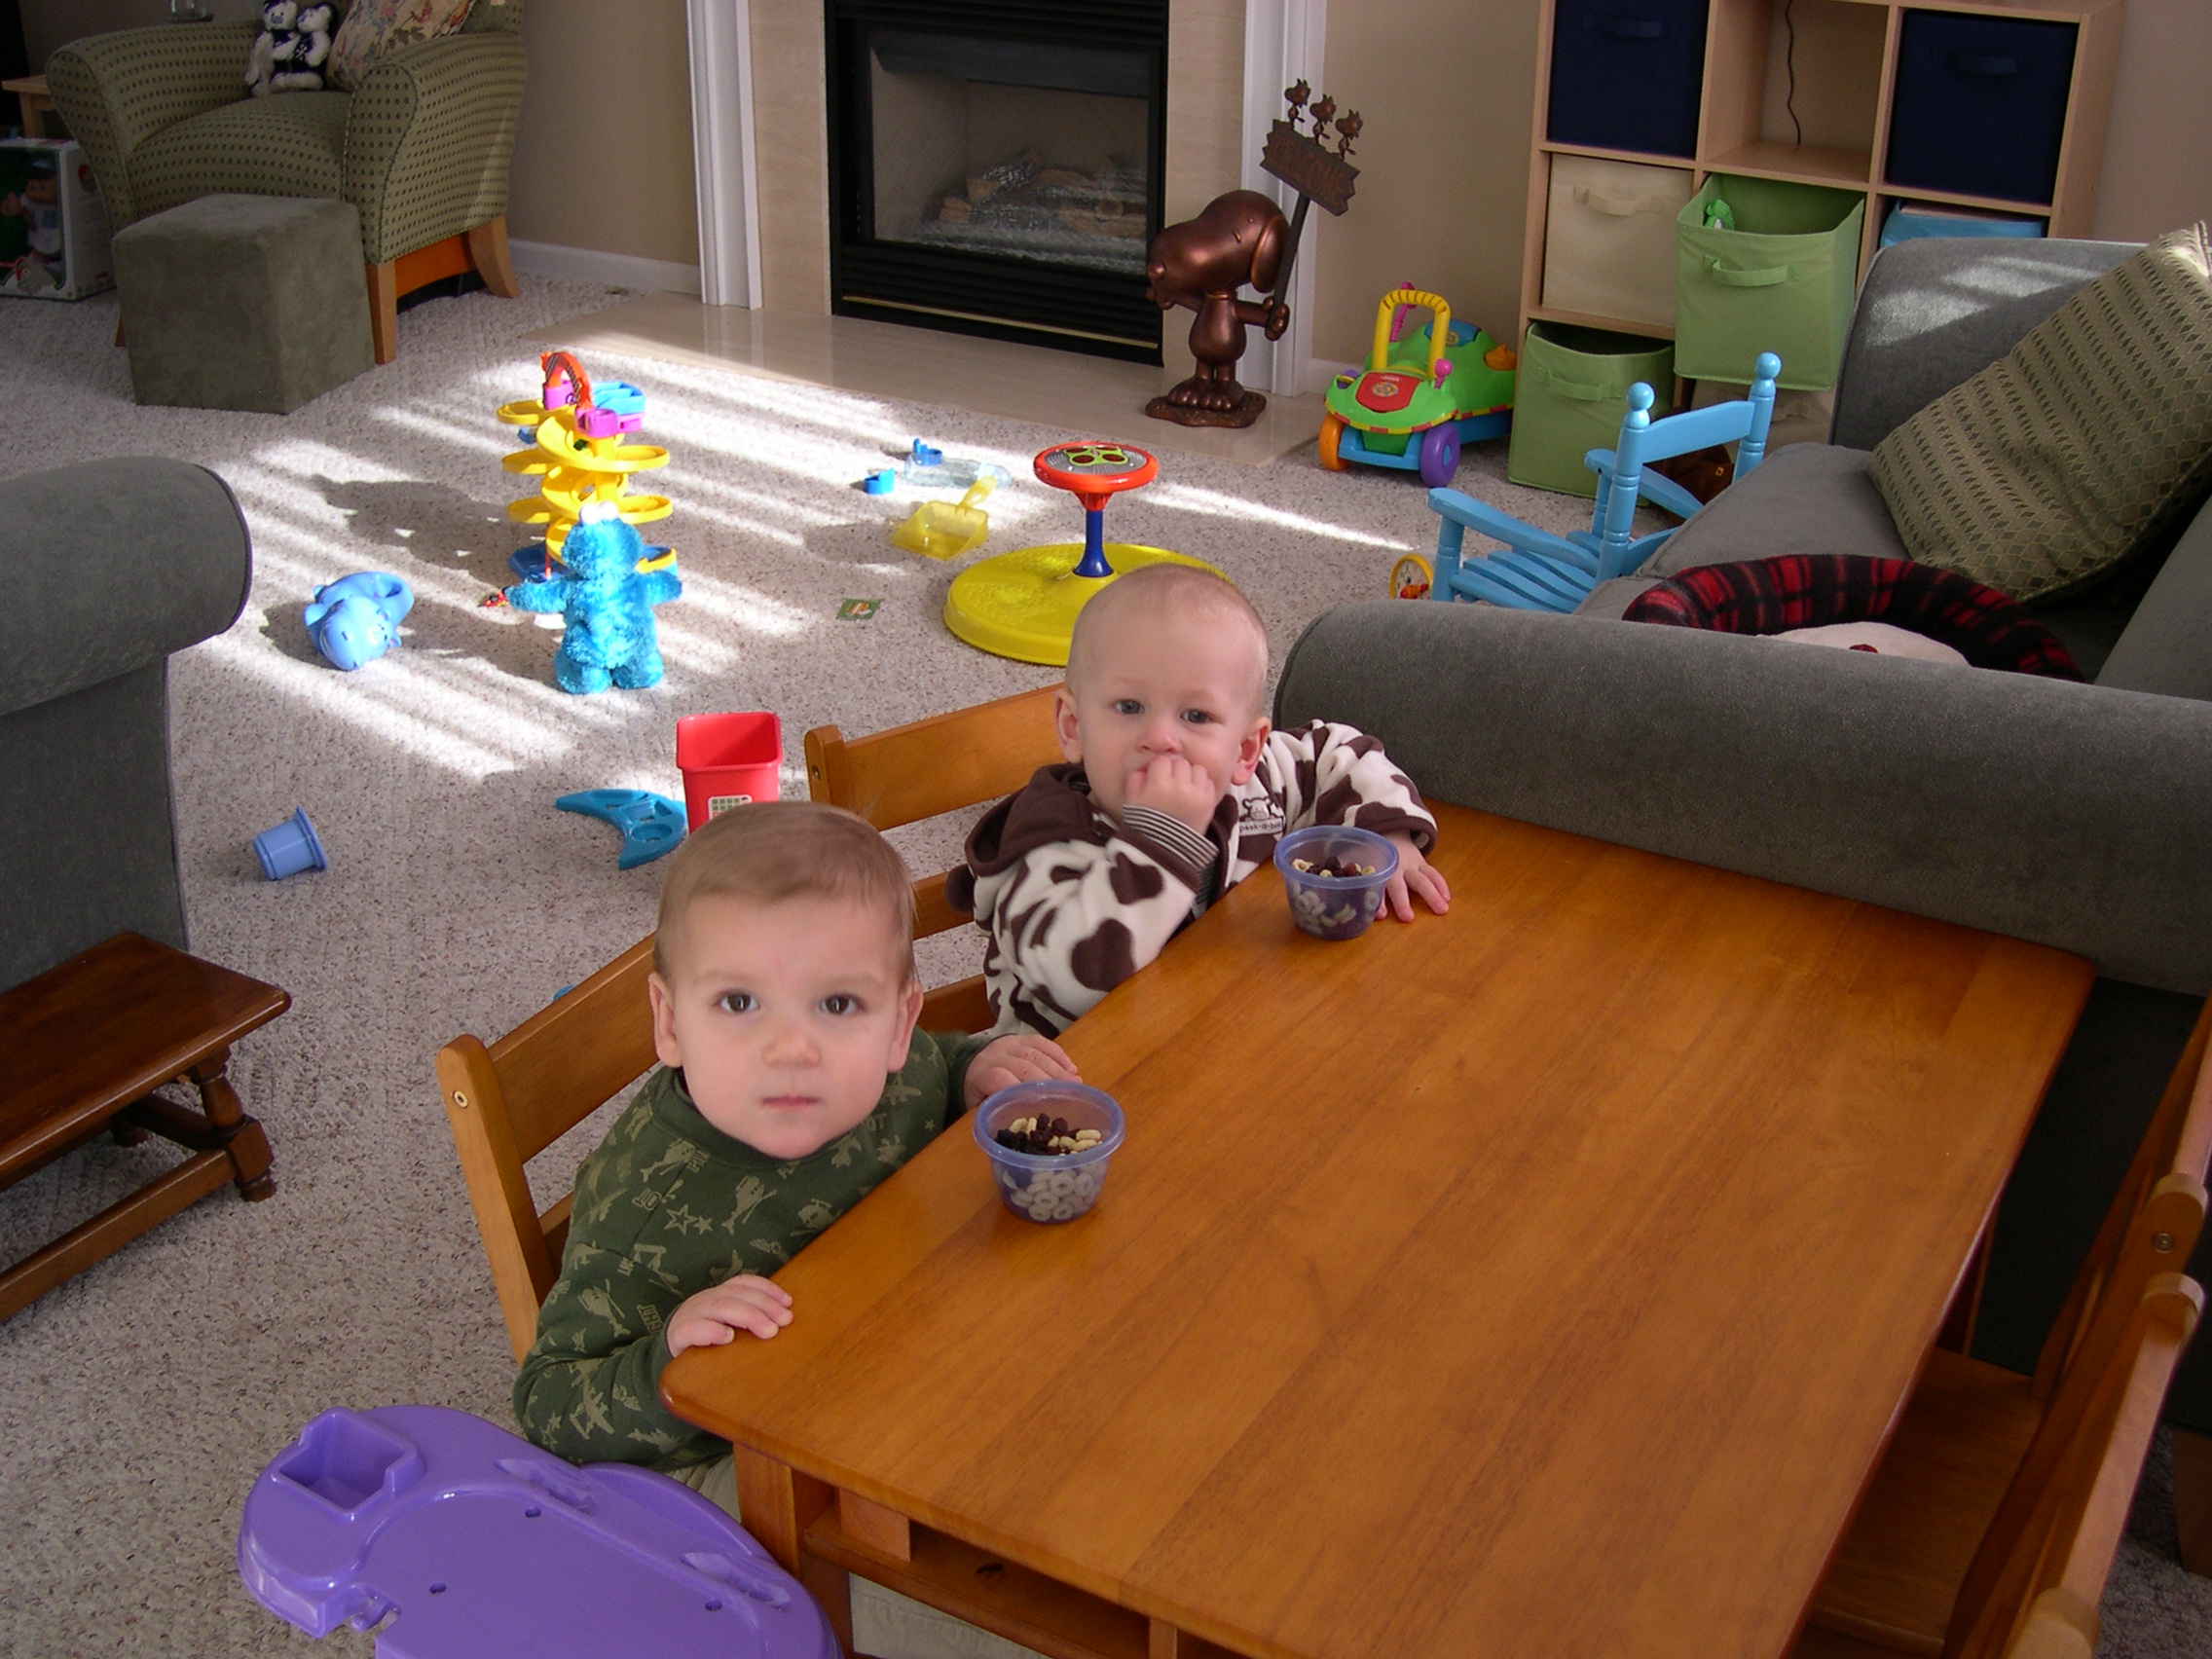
(1783, 280)
(1569, 396)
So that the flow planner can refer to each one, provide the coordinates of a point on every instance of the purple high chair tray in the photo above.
(484, 1546)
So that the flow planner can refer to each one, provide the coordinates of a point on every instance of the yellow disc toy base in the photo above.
(1022, 605)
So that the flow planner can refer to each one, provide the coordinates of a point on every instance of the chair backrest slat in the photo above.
(1643, 440)
(940, 764)
(2050, 1548)
(574, 1055)
(2095, 1344)
(933, 914)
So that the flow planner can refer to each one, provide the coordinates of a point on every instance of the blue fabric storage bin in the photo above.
(1980, 104)
(1911, 221)
(1626, 74)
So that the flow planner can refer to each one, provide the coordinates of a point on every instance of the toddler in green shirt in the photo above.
(785, 1000)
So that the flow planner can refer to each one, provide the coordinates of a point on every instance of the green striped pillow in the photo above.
(2048, 467)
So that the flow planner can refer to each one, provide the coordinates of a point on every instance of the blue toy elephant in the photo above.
(357, 618)
(609, 604)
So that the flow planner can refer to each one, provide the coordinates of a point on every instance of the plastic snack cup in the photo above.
(728, 761)
(1050, 1188)
(289, 848)
(1334, 907)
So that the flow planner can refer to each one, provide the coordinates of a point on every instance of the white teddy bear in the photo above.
(288, 52)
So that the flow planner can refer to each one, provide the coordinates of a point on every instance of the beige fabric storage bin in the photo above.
(1609, 237)
(1799, 417)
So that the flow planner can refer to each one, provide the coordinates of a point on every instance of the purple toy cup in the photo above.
(289, 848)
(1050, 1187)
(1334, 906)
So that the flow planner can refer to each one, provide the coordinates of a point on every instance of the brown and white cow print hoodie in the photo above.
(1075, 903)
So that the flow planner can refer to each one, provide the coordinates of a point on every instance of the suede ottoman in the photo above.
(244, 302)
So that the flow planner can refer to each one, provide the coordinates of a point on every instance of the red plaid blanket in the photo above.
(1773, 595)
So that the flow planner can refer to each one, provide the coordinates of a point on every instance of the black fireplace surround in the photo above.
(996, 168)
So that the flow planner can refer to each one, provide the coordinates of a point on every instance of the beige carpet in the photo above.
(137, 1402)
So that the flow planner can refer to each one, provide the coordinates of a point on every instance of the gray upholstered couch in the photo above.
(2079, 816)
(1933, 313)
(110, 566)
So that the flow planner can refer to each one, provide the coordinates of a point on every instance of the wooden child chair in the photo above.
(1538, 570)
(1989, 1527)
(934, 766)
(507, 1101)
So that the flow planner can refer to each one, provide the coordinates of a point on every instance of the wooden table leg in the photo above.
(2193, 1499)
(829, 1584)
(775, 1503)
(1957, 1332)
(230, 1128)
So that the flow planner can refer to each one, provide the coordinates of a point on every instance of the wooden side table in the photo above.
(82, 1048)
(37, 104)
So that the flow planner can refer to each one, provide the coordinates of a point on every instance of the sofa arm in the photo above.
(113, 564)
(2072, 815)
(429, 138)
(117, 90)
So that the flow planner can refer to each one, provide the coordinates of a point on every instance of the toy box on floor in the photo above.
(54, 235)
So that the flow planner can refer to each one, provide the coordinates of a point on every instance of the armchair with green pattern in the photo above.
(419, 147)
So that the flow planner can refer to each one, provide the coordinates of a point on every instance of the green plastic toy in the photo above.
(1412, 406)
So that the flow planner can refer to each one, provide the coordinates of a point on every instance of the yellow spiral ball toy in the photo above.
(575, 448)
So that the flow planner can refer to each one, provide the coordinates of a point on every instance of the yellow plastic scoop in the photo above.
(945, 529)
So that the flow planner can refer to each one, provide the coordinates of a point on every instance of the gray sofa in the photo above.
(110, 567)
(1933, 313)
(2076, 815)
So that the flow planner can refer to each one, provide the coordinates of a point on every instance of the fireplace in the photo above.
(996, 168)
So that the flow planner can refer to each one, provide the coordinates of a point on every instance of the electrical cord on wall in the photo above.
(1790, 62)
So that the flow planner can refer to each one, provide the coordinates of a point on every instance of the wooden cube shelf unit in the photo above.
(1847, 62)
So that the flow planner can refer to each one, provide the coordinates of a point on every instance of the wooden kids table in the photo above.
(1539, 1279)
(82, 1048)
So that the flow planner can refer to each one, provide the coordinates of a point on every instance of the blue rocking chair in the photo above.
(1538, 570)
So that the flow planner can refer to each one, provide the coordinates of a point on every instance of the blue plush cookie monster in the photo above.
(609, 603)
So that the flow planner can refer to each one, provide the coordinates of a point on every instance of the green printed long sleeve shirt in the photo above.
(668, 1205)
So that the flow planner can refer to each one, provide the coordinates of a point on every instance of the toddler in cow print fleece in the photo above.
(1176, 788)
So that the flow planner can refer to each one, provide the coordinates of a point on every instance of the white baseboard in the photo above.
(615, 270)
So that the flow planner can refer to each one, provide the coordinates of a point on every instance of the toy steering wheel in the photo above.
(1093, 473)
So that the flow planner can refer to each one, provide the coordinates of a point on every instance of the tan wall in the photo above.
(791, 154)
(1446, 88)
(1206, 119)
(2157, 173)
(48, 23)
(603, 153)
(1206, 132)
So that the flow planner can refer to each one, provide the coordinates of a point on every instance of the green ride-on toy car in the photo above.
(1412, 407)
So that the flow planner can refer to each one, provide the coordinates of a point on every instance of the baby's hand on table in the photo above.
(1020, 1058)
(1416, 875)
(1170, 784)
(714, 1317)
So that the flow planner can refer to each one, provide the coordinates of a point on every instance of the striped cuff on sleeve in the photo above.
(1182, 849)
